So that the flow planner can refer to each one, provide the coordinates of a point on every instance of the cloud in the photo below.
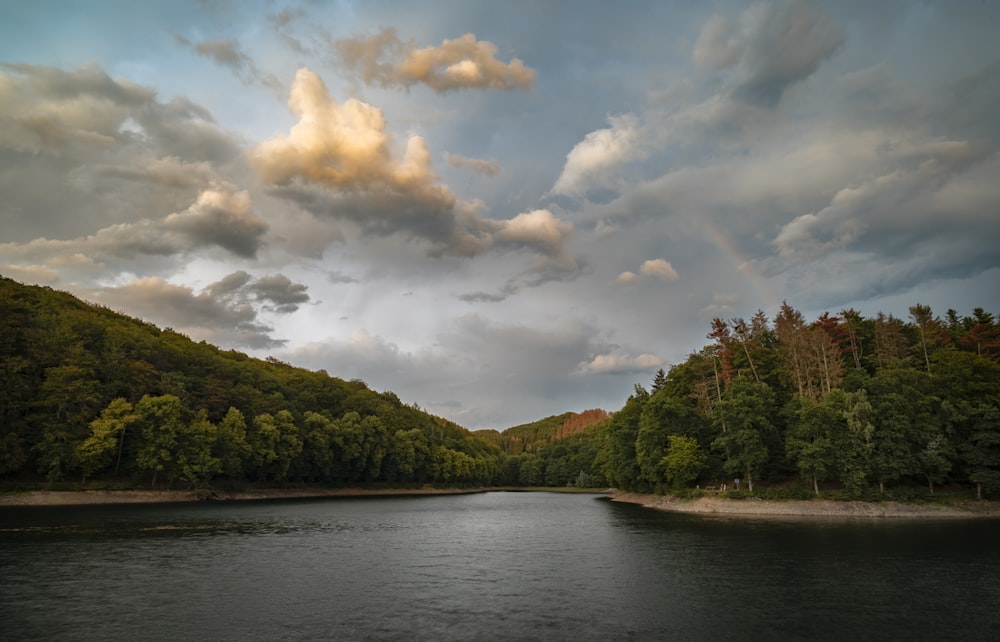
(660, 269)
(285, 17)
(33, 274)
(918, 172)
(464, 63)
(222, 218)
(228, 53)
(278, 290)
(114, 149)
(560, 268)
(222, 313)
(484, 167)
(653, 268)
(770, 47)
(589, 163)
(539, 229)
(219, 217)
(345, 147)
(340, 161)
(479, 365)
(626, 278)
(621, 364)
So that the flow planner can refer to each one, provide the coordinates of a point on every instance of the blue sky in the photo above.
(500, 211)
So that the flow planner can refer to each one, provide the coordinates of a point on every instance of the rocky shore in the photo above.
(752, 507)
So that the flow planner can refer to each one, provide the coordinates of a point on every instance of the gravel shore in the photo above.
(752, 507)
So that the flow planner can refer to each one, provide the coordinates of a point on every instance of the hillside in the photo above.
(88, 392)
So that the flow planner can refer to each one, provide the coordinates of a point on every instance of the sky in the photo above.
(500, 211)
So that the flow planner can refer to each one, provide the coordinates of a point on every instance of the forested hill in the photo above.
(89, 393)
(868, 406)
(865, 406)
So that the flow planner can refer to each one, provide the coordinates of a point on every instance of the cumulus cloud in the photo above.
(464, 63)
(769, 47)
(479, 166)
(653, 268)
(340, 161)
(539, 229)
(660, 269)
(345, 147)
(620, 364)
(590, 163)
(228, 53)
(626, 278)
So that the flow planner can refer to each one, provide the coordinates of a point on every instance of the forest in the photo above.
(90, 394)
(860, 407)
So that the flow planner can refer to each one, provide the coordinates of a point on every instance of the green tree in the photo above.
(618, 457)
(744, 419)
(684, 460)
(662, 415)
(231, 447)
(195, 463)
(69, 398)
(107, 434)
(808, 441)
(160, 421)
(981, 454)
(532, 472)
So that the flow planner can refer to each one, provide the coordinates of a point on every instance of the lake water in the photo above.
(493, 566)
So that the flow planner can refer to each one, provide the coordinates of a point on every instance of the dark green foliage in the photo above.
(88, 392)
(859, 408)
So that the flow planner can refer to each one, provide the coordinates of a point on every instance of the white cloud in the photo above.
(660, 269)
(593, 161)
(626, 278)
(618, 364)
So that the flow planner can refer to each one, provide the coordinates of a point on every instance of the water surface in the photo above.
(526, 566)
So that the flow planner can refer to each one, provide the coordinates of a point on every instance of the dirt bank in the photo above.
(76, 497)
(752, 507)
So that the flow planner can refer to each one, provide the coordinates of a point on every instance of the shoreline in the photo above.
(94, 497)
(809, 508)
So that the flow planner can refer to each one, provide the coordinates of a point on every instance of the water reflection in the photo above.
(491, 566)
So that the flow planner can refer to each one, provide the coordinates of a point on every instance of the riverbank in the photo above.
(81, 497)
(753, 507)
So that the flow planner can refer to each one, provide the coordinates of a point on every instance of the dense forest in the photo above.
(87, 393)
(866, 407)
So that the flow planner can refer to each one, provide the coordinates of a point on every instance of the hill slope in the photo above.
(85, 391)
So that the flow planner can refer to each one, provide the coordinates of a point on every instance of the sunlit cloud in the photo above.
(463, 63)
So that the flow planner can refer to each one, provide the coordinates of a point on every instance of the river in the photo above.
(491, 566)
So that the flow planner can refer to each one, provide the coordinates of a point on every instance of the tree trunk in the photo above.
(881, 487)
(815, 486)
(753, 368)
(121, 445)
(979, 491)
